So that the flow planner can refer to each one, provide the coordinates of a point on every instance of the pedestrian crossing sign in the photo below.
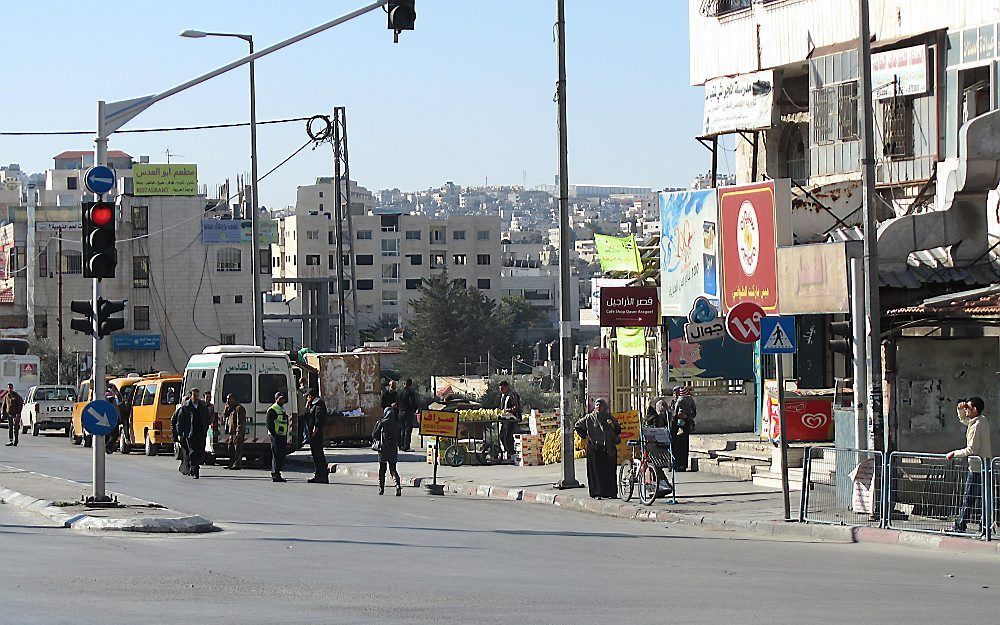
(778, 335)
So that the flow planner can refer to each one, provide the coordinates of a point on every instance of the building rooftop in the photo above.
(82, 153)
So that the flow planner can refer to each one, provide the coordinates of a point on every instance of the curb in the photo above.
(154, 525)
(771, 528)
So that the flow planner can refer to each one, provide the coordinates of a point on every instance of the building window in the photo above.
(437, 261)
(458, 259)
(227, 339)
(364, 235)
(366, 285)
(847, 111)
(229, 259)
(312, 260)
(390, 298)
(823, 116)
(412, 235)
(216, 299)
(458, 235)
(483, 284)
(797, 158)
(390, 273)
(412, 284)
(460, 282)
(329, 238)
(140, 272)
(43, 264)
(416, 259)
(72, 183)
(897, 121)
(321, 205)
(437, 235)
(482, 235)
(312, 235)
(482, 259)
(286, 344)
(238, 299)
(390, 247)
(72, 261)
(390, 223)
(140, 221)
(140, 317)
(365, 259)
(321, 194)
(264, 254)
(332, 261)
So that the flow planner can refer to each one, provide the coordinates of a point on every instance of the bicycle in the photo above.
(641, 468)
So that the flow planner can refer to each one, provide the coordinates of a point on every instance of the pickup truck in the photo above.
(48, 407)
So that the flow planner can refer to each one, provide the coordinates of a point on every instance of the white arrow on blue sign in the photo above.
(99, 417)
(99, 179)
(777, 335)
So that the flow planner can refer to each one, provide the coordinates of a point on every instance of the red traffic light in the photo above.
(102, 214)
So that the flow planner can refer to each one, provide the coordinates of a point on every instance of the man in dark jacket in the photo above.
(196, 421)
(408, 405)
(12, 405)
(277, 431)
(510, 404)
(179, 425)
(390, 396)
(315, 419)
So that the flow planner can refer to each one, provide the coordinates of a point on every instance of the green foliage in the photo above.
(48, 356)
(531, 397)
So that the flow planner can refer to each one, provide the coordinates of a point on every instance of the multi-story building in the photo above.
(319, 197)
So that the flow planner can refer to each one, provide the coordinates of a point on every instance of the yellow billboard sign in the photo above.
(164, 180)
(437, 423)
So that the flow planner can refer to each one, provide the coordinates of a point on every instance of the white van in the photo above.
(254, 376)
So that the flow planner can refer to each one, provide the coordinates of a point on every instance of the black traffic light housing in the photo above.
(99, 255)
(843, 345)
(401, 16)
(86, 323)
(103, 321)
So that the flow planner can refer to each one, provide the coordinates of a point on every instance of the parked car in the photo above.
(48, 407)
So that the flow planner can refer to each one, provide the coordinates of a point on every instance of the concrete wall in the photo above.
(721, 414)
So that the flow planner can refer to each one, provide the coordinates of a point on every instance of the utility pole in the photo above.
(340, 115)
(59, 316)
(258, 304)
(565, 293)
(872, 306)
(97, 387)
(338, 216)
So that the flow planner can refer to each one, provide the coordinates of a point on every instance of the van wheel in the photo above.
(149, 447)
(88, 440)
(123, 446)
(34, 430)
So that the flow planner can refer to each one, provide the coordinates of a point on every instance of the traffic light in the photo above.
(844, 345)
(106, 324)
(402, 14)
(85, 324)
(99, 255)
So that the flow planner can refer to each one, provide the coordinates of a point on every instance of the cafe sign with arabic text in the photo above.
(629, 307)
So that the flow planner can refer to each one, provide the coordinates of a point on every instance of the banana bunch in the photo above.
(552, 447)
(479, 414)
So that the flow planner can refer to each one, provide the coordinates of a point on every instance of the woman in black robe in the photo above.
(603, 433)
(682, 413)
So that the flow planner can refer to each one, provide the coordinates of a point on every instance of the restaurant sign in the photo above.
(629, 307)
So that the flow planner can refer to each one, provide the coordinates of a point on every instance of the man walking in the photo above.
(12, 405)
(977, 443)
(510, 404)
(235, 417)
(277, 430)
(315, 421)
(408, 405)
(197, 420)
(180, 424)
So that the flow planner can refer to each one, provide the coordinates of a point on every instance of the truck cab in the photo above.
(48, 407)
(254, 376)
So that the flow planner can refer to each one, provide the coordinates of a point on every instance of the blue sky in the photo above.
(466, 97)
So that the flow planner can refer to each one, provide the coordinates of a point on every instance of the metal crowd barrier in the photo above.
(842, 486)
(993, 489)
(927, 493)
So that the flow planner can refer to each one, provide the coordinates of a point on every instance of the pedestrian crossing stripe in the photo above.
(780, 333)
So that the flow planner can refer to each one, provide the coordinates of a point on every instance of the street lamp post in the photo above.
(258, 307)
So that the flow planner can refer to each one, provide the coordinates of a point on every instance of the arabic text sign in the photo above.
(735, 103)
(899, 72)
(688, 249)
(812, 278)
(748, 245)
(629, 307)
(167, 179)
(235, 231)
(617, 253)
(437, 423)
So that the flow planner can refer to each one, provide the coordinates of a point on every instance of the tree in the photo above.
(381, 330)
(48, 357)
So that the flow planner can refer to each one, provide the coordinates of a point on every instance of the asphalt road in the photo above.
(303, 553)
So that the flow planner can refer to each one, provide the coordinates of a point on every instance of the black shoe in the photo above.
(399, 491)
(195, 476)
(278, 479)
(381, 490)
(10, 444)
(958, 528)
(316, 480)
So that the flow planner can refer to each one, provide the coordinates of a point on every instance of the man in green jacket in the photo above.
(277, 430)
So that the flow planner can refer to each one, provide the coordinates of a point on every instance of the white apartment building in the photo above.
(394, 254)
(320, 197)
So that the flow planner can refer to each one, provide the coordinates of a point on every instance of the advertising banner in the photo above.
(235, 231)
(629, 307)
(899, 72)
(617, 253)
(749, 234)
(812, 279)
(722, 359)
(629, 421)
(437, 423)
(689, 266)
(598, 375)
(744, 102)
(631, 341)
(135, 342)
(165, 179)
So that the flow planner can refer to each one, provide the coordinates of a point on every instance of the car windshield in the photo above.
(55, 394)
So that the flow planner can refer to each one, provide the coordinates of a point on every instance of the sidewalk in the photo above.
(703, 499)
(61, 500)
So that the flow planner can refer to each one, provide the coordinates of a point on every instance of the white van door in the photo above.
(236, 376)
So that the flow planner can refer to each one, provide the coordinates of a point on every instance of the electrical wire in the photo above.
(48, 133)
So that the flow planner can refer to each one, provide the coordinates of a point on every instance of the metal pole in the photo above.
(784, 439)
(258, 305)
(872, 307)
(565, 294)
(338, 216)
(100, 158)
(861, 441)
(715, 161)
(350, 228)
(59, 315)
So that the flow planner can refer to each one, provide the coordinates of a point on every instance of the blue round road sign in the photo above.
(99, 417)
(99, 179)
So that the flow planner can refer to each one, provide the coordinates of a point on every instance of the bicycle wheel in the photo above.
(454, 456)
(488, 454)
(626, 480)
(648, 484)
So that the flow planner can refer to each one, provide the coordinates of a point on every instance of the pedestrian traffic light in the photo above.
(106, 324)
(99, 255)
(844, 345)
(402, 14)
(86, 323)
